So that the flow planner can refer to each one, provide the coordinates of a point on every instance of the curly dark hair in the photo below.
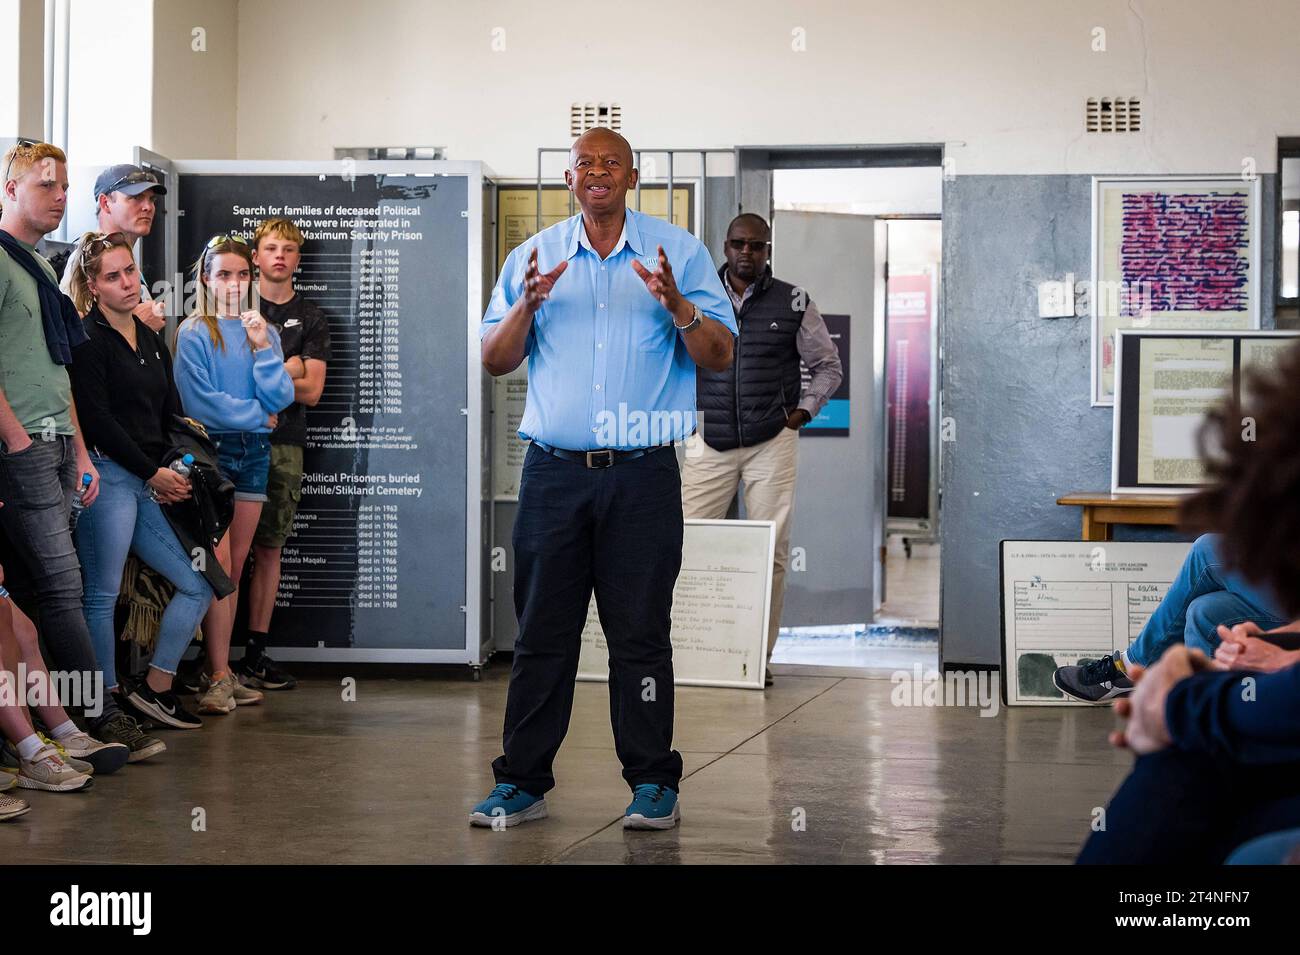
(1251, 449)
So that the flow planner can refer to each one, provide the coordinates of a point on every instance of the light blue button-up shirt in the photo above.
(606, 368)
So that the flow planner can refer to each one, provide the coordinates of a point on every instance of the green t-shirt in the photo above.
(37, 388)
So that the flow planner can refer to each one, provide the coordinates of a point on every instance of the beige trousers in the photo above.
(709, 482)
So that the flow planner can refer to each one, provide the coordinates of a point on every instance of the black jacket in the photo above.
(126, 400)
(749, 402)
(201, 520)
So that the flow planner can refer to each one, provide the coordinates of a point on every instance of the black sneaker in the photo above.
(163, 708)
(1093, 681)
(122, 697)
(193, 681)
(123, 728)
(263, 674)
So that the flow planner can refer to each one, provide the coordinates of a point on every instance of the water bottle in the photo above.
(79, 499)
(182, 466)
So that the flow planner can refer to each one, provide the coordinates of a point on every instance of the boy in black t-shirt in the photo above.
(305, 337)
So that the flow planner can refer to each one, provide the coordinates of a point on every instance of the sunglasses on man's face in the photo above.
(754, 245)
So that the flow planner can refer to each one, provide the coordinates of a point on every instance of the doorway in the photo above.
(860, 228)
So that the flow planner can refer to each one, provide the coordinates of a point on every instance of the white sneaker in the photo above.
(88, 755)
(46, 770)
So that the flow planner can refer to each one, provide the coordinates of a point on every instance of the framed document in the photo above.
(1165, 383)
(1066, 601)
(1170, 252)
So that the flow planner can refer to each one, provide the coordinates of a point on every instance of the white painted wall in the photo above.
(905, 190)
(1003, 82)
(195, 90)
(9, 68)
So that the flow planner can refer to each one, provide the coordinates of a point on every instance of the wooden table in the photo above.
(1102, 510)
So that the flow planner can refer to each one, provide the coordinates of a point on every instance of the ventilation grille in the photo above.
(1114, 114)
(584, 116)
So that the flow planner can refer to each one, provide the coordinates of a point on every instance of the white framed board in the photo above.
(1065, 601)
(720, 608)
(1166, 382)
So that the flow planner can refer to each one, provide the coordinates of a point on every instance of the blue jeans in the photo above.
(36, 486)
(125, 519)
(1202, 597)
(1273, 849)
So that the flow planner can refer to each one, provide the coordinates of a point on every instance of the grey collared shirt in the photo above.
(815, 346)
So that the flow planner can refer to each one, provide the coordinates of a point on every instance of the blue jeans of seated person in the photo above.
(1203, 596)
(126, 519)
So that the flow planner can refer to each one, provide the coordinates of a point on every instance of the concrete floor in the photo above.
(911, 584)
(390, 778)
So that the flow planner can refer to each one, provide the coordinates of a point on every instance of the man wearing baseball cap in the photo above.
(124, 197)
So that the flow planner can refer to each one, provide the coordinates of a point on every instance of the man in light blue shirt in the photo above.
(613, 331)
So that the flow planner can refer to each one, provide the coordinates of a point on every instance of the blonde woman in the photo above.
(123, 384)
(231, 376)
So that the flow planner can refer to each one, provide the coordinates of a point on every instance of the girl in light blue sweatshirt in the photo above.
(231, 378)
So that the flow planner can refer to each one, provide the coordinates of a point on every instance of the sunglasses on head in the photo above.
(18, 147)
(754, 245)
(131, 178)
(217, 240)
(104, 241)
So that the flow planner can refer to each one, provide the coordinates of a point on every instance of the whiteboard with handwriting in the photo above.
(720, 608)
(1064, 601)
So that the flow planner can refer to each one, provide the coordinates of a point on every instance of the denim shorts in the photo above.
(245, 458)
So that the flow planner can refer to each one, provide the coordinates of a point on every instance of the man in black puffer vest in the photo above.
(750, 414)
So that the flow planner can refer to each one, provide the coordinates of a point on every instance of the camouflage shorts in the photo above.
(283, 492)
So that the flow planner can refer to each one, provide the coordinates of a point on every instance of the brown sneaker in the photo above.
(220, 697)
(246, 695)
(124, 729)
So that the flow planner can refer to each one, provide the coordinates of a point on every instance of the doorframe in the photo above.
(754, 167)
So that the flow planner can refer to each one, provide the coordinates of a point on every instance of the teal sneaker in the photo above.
(507, 805)
(654, 806)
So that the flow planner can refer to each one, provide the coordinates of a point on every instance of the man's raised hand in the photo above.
(538, 284)
(660, 283)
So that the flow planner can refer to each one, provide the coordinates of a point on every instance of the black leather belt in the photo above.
(604, 458)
